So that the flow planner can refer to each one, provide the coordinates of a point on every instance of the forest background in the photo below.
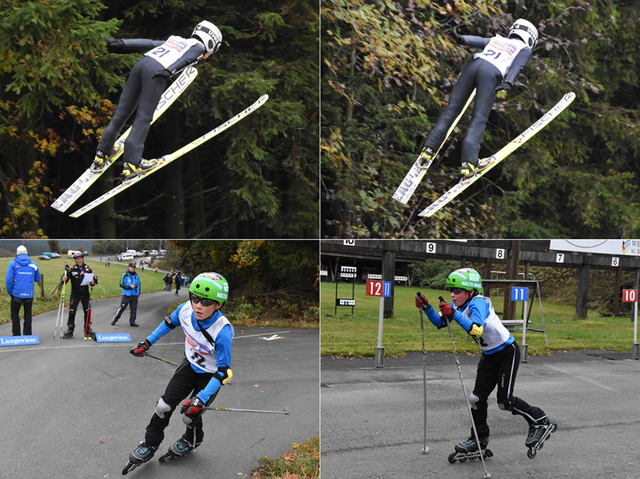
(60, 87)
(388, 68)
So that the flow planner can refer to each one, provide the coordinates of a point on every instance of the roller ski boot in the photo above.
(469, 450)
(131, 171)
(538, 434)
(468, 170)
(180, 448)
(68, 334)
(426, 158)
(140, 455)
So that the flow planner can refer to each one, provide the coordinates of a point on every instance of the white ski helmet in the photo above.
(209, 34)
(526, 31)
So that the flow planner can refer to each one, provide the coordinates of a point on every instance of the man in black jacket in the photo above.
(79, 293)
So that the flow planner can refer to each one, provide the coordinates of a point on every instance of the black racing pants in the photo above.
(484, 77)
(185, 381)
(132, 302)
(74, 302)
(15, 318)
(499, 369)
(140, 91)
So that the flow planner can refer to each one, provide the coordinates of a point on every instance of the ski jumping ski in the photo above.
(417, 171)
(89, 177)
(500, 155)
(165, 160)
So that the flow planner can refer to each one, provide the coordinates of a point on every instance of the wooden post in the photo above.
(513, 261)
(41, 285)
(388, 273)
(616, 291)
(582, 305)
(463, 262)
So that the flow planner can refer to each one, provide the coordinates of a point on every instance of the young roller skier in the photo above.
(144, 87)
(499, 361)
(492, 70)
(205, 369)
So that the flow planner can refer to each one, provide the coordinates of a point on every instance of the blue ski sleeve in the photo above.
(434, 317)
(223, 360)
(519, 62)
(8, 279)
(479, 312)
(163, 329)
(473, 41)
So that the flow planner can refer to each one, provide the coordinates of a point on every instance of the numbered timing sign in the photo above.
(519, 294)
(629, 295)
(379, 288)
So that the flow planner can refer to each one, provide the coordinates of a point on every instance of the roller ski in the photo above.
(68, 334)
(469, 450)
(140, 455)
(180, 448)
(538, 434)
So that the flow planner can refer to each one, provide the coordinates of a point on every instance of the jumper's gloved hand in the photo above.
(503, 87)
(166, 74)
(456, 38)
(141, 348)
(446, 311)
(192, 407)
(421, 301)
(113, 45)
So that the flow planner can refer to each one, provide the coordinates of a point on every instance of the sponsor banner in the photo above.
(19, 340)
(113, 338)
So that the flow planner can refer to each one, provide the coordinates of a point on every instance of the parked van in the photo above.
(71, 252)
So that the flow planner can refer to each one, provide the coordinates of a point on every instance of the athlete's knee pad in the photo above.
(162, 408)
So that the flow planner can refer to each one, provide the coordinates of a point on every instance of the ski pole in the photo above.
(425, 449)
(466, 396)
(160, 359)
(285, 411)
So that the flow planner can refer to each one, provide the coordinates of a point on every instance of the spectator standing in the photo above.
(21, 274)
(130, 284)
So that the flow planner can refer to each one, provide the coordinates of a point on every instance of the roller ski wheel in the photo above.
(472, 456)
(180, 448)
(533, 450)
(130, 467)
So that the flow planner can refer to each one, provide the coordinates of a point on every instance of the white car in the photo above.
(125, 257)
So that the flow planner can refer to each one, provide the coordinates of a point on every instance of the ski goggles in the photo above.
(456, 290)
(203, 301)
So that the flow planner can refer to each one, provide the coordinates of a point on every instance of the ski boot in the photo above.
(425, 158)
(101, 159)
(68, 333)
(538, 434)
(131, 171)
(182, 447)
(468, 170)
(469, 450)
(140, 455)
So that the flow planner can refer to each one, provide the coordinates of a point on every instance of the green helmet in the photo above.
(465, 278)
(210, 286)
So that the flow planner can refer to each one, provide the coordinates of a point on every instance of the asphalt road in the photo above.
(76, 409)
(372, 419)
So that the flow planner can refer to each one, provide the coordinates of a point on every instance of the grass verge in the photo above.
(344, 336)
(301, 462)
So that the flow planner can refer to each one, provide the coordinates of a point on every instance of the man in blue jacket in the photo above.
(130, 284)
(21, 274)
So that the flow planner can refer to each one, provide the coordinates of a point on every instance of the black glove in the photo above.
(192, 407)
(506, 86)
(166, 74)
(141, 348)
(456, 38)
(114, 45)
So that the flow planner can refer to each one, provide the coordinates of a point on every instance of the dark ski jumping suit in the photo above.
(501, 61)
(144, 87)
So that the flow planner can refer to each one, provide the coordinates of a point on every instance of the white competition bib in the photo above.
(171, 50)
(500, 52)
(494, 333)
(198, 350)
